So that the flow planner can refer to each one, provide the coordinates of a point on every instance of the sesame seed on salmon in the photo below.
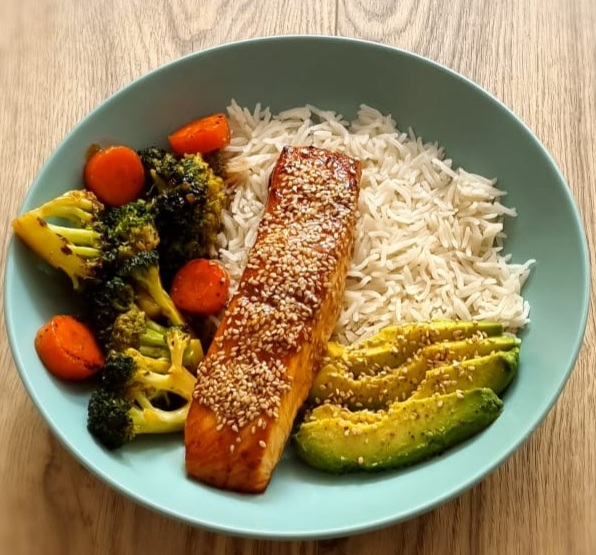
(261, 363)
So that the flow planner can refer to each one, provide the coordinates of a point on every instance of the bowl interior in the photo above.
(339, 74)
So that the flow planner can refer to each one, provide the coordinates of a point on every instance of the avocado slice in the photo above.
(394, 345)
(495, 371)
(337, 440)
(335, 383)
(447, 352)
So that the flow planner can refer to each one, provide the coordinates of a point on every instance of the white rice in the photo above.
(429, 237)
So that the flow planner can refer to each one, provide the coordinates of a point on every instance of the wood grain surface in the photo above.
(60, 58)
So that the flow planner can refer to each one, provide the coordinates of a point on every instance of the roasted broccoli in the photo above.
(119, 323)
(75, 233)
(74, 248)
(130, 229)
(130, 400)
(116, 419)
(161, 167)
(143, 270)
(188, 198)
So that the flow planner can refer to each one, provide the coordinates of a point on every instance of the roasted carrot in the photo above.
(68, 349)
(201, 136)
(115, 174)
(200, 287)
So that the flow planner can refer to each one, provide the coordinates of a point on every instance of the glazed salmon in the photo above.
(261, 363)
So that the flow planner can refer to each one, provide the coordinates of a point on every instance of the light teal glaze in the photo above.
(477, 131)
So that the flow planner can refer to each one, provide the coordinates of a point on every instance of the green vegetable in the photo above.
(78, 235)
(188, 198)
(143, 269)
(141, 395)
(119, 323)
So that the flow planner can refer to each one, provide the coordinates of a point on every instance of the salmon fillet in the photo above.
(261, 364)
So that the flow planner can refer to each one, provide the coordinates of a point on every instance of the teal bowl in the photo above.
(478, 132)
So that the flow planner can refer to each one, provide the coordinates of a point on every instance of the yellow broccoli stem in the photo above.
(77, 206)
(149, 420)
(82, 239)
(151, 282)
(176, 380)
(51, 247)
(165, 375)
(157, 365)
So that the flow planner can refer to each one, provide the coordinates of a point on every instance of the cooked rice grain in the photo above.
(429, 237)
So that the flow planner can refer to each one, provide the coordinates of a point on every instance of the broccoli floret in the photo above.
(188, 198)
(160, 167)
(143, 270)
(133, 386)
(77, 234)
(131, 370)
(115, 419)
(117, 320)
(104, 301)
(119, 323)
(134, 328)
(130, 229)
(76, 248)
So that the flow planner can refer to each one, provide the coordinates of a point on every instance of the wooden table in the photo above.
(59, 59)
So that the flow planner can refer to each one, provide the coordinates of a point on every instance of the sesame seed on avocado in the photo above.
(385, 376)
(337, 440)
(495, 371)
(394, 345)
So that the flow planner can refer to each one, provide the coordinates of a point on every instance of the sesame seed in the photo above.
(262, 444)
(360, 460)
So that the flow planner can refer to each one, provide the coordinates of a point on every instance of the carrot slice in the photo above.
(201, 287)
(201, 136)
(115, 174)
(68, 349)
